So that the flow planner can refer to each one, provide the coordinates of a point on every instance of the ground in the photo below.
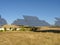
(29, 38)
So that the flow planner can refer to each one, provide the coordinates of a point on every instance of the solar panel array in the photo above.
(2, 21)
(31, 21)
(19, 22)
(34, 21)
(57, 18)
(57, 22)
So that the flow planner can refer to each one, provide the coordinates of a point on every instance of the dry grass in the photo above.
(48, 28)
(29, 38)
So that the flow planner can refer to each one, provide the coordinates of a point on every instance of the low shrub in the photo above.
(1, 30)
(22, 29)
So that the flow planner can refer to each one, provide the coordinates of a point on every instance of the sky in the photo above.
(44, 9)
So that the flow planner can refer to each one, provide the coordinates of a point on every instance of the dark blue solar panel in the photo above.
(19, 22)
(30, 21)
(57, 22)
(57, 18)
(2, 21)
(34, 21)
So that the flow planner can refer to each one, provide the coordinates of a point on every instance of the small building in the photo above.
(11, 27)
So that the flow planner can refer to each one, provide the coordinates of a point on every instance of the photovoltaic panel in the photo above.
(30, 21)
(19, 22)
(30, 18)
(57, 22)
(57, 18)
(34, 21)
(44, 23)
(2, 21)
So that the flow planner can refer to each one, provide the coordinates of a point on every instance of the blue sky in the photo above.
(44, 9)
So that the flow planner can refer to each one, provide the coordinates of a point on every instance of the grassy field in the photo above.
(29, 38)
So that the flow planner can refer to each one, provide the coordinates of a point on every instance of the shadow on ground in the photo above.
(54, 31)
